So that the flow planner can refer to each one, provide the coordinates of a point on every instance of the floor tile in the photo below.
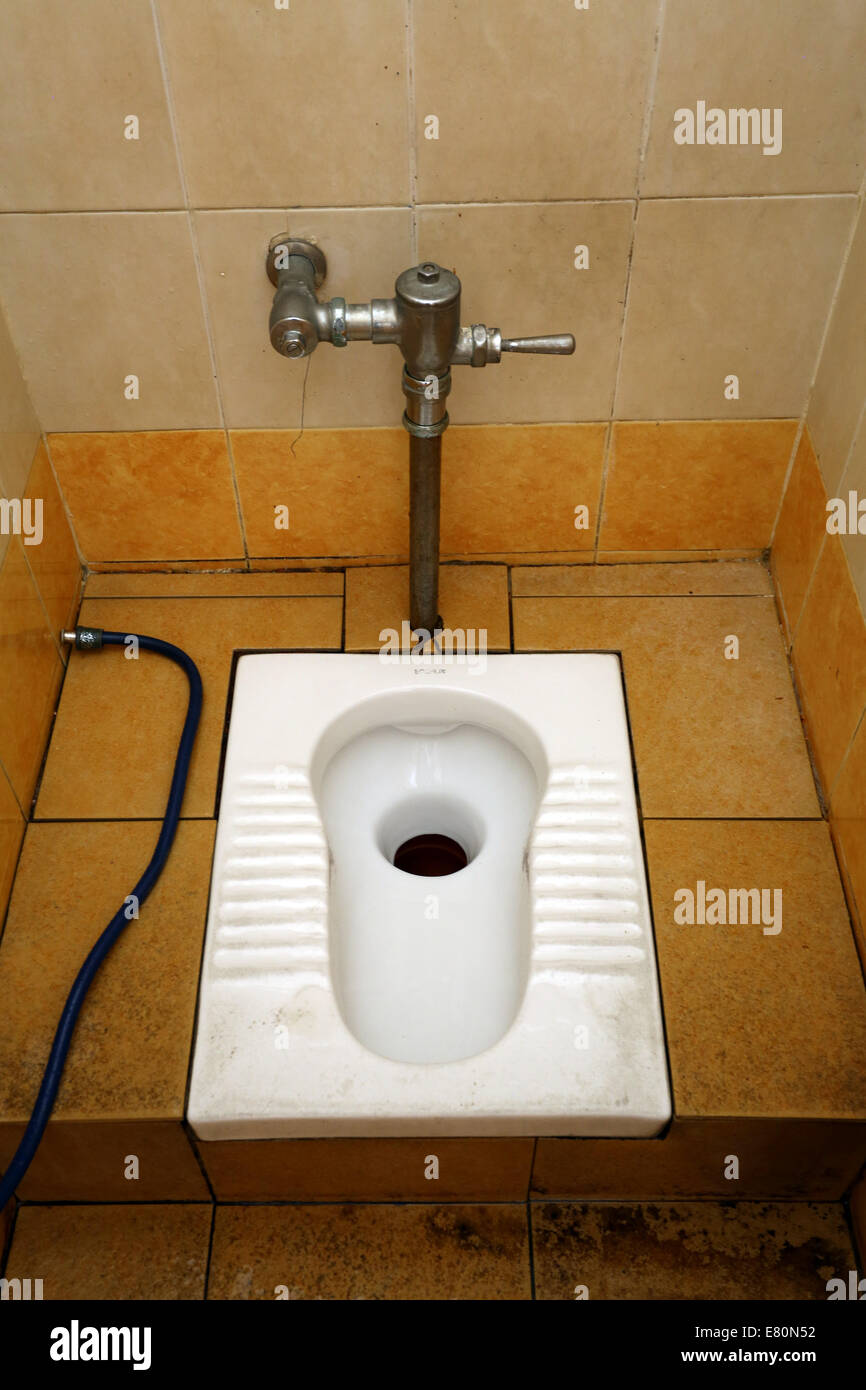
(689, 1250)
(470, 597)
(759, 1023)
(134, 710)
(691, 762)
(371, 1252)
(241, 584)
(90, 1161)
(113, 1252)
(130, 1052)
(641, 581)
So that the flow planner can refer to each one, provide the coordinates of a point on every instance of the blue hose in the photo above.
(91, 639)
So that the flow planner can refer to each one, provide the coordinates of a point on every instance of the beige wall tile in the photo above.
(516, 488)
(848, 823)
(366, 250)
(805, 58)
(69, 77)
(150, 495)
(290, 106)
(19, 428)
(31, 665)
(799, 533)
(54, 564)
(114, 1252)
(516, 265)
(761, 1025)
(347, 491)
(525, 93)
(840, 385)
(130, 1053)
(854, 480)
(701, 484)
(736, 286)
(116, 294)
(829, 656)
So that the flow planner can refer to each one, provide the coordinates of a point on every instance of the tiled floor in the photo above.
(766, 1032)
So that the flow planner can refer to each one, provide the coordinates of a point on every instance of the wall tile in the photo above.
(154, 495)
(694, 485)
(731, 286)
(366, 250)
(800, 532)
(54, 564)
(31, 665)
(805, 58)
(290, 106)
(19, 428)
(347, 491)
(524, 97)
(840, 385)
(829, 657)
(854, 480)
(516, 265)
(848, 823)
(11, 835)
(69, 77)
(115, 294)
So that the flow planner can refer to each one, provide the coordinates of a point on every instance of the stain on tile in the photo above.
(371, 1252)
(113, 1252)
(139, 706)
(130, 1051)
(758, 1023)
(689, 1250)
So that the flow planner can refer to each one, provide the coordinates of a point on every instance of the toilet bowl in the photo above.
(428, 911)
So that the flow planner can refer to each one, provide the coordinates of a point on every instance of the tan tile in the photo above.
(689, 1250)
(32, 668)
(712, 737)
(98, 64)
(757, 1024)
(113, 1252)
(516, 488)
(230, 566)
(470, 597)
(139, 706)
(829, 656)
(814, 1159)
(697, 484)
(858, 1219)
(11, 835)
(130, 1052)
(347, 491)
(721, 577)
(90, 1161)
(518, 273)
(742, 54)
(837, 395)
(366, 249)
(369, 1170)
(854, 480)
(315, 583)
(676, 557)
(54, 563)
(800, 531)
(150, 495)
(523, 101)
(848, 823)
(253, 148)
(121, 288)
(761, 272)
(371, 1252)
(19, 428)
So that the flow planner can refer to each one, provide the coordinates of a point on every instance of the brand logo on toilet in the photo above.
(713, 125)
(432, 653)
(717, 907)
(22, 517)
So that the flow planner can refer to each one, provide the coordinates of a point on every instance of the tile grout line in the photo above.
(199, 272)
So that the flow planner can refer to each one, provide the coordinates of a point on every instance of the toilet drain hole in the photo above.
(430, 856)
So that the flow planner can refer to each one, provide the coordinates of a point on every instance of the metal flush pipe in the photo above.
(423, 320)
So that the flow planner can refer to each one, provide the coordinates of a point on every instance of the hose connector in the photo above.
(86, 639)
